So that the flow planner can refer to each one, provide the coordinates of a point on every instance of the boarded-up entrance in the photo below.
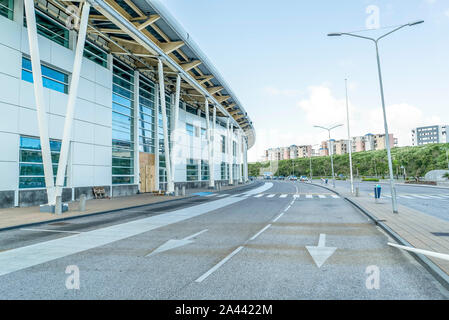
(147, 174)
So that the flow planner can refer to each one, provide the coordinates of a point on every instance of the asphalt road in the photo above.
(430, 200)
(263, 243)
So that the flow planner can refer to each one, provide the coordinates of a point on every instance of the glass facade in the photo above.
(50, 29)
(95, 54)
(122, 124)
(224, 170)
(190, 130)
(204, 170)
(146, 115)
(51, 78)
(223, 144)
(192, 170)
(162, 170)
(7, 8)
(31, 168)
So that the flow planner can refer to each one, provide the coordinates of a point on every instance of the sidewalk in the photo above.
(417, 228)
(12, 217)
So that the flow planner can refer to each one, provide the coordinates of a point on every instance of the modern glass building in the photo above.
(137, 108)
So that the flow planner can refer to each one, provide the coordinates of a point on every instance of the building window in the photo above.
(223, 144)
(50, 29)
(224, 168)
(146, 115)
(190, 129)
(95, 54)
(122, 124)
(7, 8)
(31, 168)
(203, 133)
(234, 148)
(204, 170)
(51, 78)
(191, 109)
(192, 170)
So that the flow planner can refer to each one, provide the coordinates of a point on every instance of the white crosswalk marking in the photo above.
(259, 195)
(296, 196)
(271, 196)
(434, 197)
(222, 195)
(420, 196)
(335, 196)
(321, 196)
(309, 196)
(283, 196)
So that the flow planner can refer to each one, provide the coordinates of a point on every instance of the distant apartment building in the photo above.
(286, 153)
(324, 150)
(341, 147)
(358, 144)
(430, 134)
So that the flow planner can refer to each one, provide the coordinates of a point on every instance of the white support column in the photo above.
(136, 129)
(156, 139)
(209, 146)
(212, 165)
(71, 101)
(240, 155)
(170, 185)
(245, 159)
(230, 155)
(40, 103)
(175, 118)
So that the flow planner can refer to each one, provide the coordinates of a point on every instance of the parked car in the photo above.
(303, 179)
(293, 178)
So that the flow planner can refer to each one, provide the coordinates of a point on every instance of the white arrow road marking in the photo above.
(424, 252)
(175, 243)
(321, 253)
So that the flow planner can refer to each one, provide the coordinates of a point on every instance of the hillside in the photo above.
(416, 160)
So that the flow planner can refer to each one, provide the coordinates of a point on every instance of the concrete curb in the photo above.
(106, 212)
(441, 276)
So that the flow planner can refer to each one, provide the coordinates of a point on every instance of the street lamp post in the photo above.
(349, 138)
(331, 151)
(387, 136)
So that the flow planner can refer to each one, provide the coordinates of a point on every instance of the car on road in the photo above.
(303, 179)
(293, 178)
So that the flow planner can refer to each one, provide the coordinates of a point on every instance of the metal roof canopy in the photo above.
(174, 32)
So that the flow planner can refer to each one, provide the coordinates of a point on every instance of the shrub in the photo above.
(371, 179)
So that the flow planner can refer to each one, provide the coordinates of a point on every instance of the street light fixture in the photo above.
(387, 136)
(331, 149)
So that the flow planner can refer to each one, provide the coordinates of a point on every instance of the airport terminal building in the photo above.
(113, 94)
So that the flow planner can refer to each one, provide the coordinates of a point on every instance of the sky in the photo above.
(289, 76)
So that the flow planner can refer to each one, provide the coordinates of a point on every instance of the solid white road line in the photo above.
(259, 233)
(49, 230)
(438, 255)
(434, 197)
(218, 265)
(419, 196)
(38, 253)
(406, 197)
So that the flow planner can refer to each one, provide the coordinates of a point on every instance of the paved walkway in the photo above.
(419, 229)
(11, 217)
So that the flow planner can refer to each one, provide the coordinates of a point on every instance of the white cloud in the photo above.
(321, 107)
(446, 13)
